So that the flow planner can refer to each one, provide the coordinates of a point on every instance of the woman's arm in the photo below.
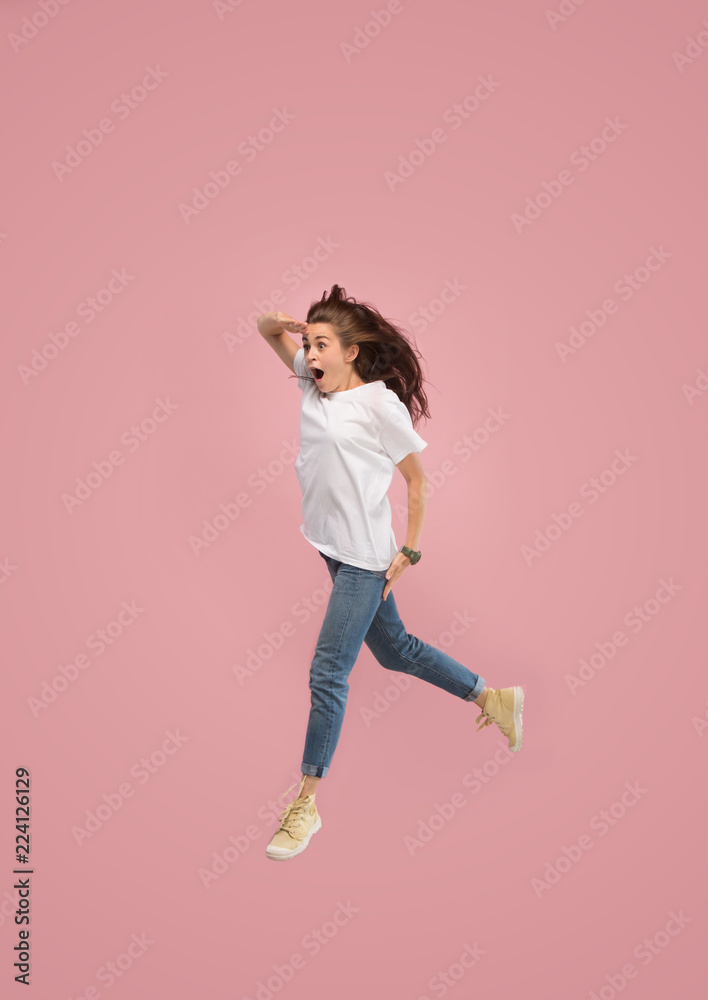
(273, 326)
(412, 471)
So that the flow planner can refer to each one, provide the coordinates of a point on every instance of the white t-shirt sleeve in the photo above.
(398, 437)
(300, 368)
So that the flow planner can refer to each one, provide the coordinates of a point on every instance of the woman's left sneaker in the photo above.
(504, 707)
(299, 821)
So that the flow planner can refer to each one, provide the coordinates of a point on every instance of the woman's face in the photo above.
(323, 351)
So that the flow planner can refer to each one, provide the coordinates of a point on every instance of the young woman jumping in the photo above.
(361, 389)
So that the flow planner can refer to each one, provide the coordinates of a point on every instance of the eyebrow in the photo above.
(320, 336)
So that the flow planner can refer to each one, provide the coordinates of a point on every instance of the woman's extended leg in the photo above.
(309, 785)
(352, 605)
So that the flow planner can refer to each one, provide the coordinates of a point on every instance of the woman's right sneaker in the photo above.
(297, 824)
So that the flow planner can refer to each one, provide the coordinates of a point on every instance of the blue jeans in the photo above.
(356, 613)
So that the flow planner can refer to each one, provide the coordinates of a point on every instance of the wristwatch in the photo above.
(411, 553)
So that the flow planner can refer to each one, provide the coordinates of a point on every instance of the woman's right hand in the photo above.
(278, 322)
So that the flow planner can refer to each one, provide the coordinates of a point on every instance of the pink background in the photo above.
(183, 330)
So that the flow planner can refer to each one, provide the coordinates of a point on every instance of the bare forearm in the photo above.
(268, 326)
(417, 502)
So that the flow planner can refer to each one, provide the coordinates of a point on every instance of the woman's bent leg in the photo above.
(395, 649)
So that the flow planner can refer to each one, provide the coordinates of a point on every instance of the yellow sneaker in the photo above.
(297, 824)
(504, 706)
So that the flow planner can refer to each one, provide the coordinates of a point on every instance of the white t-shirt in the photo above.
(350, 444)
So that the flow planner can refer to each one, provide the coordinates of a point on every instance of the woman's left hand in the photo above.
(393, 572)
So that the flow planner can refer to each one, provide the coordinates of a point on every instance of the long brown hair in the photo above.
(384, 351)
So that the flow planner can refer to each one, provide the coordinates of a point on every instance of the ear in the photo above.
(355, 350)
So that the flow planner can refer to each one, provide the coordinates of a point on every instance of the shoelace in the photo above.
(294, 815)
(489, 718)
(487, 721)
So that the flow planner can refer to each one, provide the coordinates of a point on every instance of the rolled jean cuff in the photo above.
(476, 690)
(313, 770)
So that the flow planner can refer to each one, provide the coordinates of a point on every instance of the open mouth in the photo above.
(318, 373)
